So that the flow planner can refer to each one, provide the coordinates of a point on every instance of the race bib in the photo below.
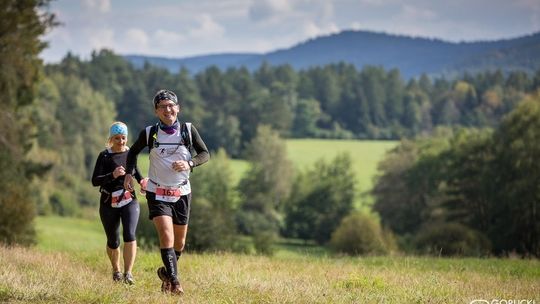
(120, 198)
(169, 195)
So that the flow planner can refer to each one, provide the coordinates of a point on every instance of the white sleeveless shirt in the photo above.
(160, 172)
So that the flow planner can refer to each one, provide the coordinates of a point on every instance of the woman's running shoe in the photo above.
(128, 278)
(117, 276)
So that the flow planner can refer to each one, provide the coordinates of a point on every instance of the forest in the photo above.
(463, 180)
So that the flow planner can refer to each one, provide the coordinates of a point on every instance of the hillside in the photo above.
(411, 55)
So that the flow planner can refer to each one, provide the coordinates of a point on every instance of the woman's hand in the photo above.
(119, 171)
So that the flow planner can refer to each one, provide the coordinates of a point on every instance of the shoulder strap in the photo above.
(151, 131)
(186, 135)
(188, 127)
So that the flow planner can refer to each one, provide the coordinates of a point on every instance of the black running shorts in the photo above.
(179, 210)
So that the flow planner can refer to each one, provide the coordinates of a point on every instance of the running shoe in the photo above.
(128, 278)
(164, 277)
(176, 288)
(117, 276)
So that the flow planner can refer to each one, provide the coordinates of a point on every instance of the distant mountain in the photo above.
(193, 64)
(411, 55)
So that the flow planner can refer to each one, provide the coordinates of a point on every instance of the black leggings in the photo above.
(110, 218)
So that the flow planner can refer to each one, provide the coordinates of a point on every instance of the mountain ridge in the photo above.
(411, 55)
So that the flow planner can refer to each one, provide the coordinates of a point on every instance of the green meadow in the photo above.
(365, 155)
(304, 153)
(69, 265)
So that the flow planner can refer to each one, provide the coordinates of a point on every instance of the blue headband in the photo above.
(118, 129)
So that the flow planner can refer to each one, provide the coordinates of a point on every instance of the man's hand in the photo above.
(143, 184)
(181, 165)
(128, 182)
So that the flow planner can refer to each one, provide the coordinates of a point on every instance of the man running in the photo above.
(168, 191)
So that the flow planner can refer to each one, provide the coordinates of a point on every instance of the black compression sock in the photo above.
(178, 254)
(169, 260)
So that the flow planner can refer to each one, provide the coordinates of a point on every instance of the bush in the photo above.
(16, 217)
(264, 242)
(263, 229)
(360, 233)
(449, 239)
(64, 203)
(209, 228)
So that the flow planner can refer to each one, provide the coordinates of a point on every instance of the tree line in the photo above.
(333, 101)
(467, 191)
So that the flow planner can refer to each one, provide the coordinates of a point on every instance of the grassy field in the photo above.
(365, 155)
(69, 266)
(305, 152)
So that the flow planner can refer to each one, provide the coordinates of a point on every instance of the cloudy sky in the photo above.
(180, 28)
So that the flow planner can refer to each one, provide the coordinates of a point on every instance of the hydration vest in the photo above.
(185, 134)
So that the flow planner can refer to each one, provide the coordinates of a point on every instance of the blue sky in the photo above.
(184, 28)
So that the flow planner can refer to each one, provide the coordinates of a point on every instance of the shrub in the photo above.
(209, 228)
(451, 239)
(263, 228)
(360, 233)
(264, 242)
(64, 203)
(16, 217)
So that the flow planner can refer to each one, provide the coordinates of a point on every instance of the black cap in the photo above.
(165, 95)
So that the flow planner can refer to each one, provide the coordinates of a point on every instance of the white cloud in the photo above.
(135, 39)
(208, 28)
(163, 36)
(100, 38)
(102, 6)
(311, 30)
(416, 13)
(374, 2)
(264, 10)
(533, 6)
(356, 26)
(326, 11)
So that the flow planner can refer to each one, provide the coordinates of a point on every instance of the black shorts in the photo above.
(179, 210)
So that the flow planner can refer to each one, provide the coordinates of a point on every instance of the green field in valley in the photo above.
(304, 153)
(365, 155)
(61, 269)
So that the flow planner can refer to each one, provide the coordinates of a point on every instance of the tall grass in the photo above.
(38, 277)
(71, 273)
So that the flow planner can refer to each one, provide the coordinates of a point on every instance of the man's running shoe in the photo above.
(164, 277)
(117, 276)
(128, 278)
(176, 288)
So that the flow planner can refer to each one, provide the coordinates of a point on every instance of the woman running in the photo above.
(116, 204)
